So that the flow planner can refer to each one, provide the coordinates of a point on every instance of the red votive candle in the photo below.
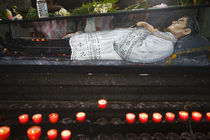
(157, 117)
(196, 116)
(34, 132)
(37, 118)
(130, 118)
(53, 117)
(143, 117)
(4, 132)
(52, 134)
(170, 117)
(102, 103)
(80, 116)
(208, 116)
(183, 115)
(66, 135)
(23, 119)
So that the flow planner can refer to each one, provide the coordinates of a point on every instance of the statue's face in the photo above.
(177, 28)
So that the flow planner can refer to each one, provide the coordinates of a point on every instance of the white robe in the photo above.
(130, 44)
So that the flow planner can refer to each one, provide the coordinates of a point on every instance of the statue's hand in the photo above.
(141, 24)
(146, 25)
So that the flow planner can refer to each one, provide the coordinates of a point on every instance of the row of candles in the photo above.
(170, 117)
(130, 117)
(34, 132)
(53, 118)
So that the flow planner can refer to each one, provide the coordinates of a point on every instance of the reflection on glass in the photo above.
(160, 35)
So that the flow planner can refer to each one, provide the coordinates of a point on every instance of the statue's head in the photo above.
(184, 26)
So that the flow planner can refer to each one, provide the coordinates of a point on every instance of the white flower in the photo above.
(109, 5)
(101, 10)
(98, 5)
(9, 14)
(94, 5)
(104, 5)
(62, 12)
(96, 10)
(67, 14)
(18, 17)
(105, 9)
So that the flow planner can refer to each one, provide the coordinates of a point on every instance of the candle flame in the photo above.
(143, 115)
(102, 101)
(80, 114)
(130, 115)
(66, 133)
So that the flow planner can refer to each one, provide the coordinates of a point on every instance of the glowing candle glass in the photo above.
(196, 116)
(130, 118)
(66, 135)
(52, 134)
(37, 118)
(80, 116)
(170, 117)
(183, 115)
(157, 117)
(34, 132)
(53, 117)
(143, 117)
(23, 119)
(208, 116)
(102, 103)
(4, 132)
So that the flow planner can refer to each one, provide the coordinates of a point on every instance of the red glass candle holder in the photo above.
(34, 132)
(4, 132)
(170, 117)
(37, 118)
(183, 115)
(143, 117)
(66, 135)
(23, 119)
(208, 116)
(102, 103)
(53, 118)
(130, 118)
(52, 134)
(157, 117)
(196, 116)
(80, 116)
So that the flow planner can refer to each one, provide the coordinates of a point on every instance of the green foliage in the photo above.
(15, 10)
(52, 15)
(88, 8)
(84, 9)
(32, 14)
(143, 4)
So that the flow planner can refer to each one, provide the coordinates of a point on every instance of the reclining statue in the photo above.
(143, 44)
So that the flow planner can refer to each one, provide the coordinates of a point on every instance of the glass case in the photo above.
(147, 58)
(127, 37)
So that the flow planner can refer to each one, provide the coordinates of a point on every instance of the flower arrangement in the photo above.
(96, 7)
(102, 8)
(11, 14)
(62, 12)
(143, 4)
(31, 14)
